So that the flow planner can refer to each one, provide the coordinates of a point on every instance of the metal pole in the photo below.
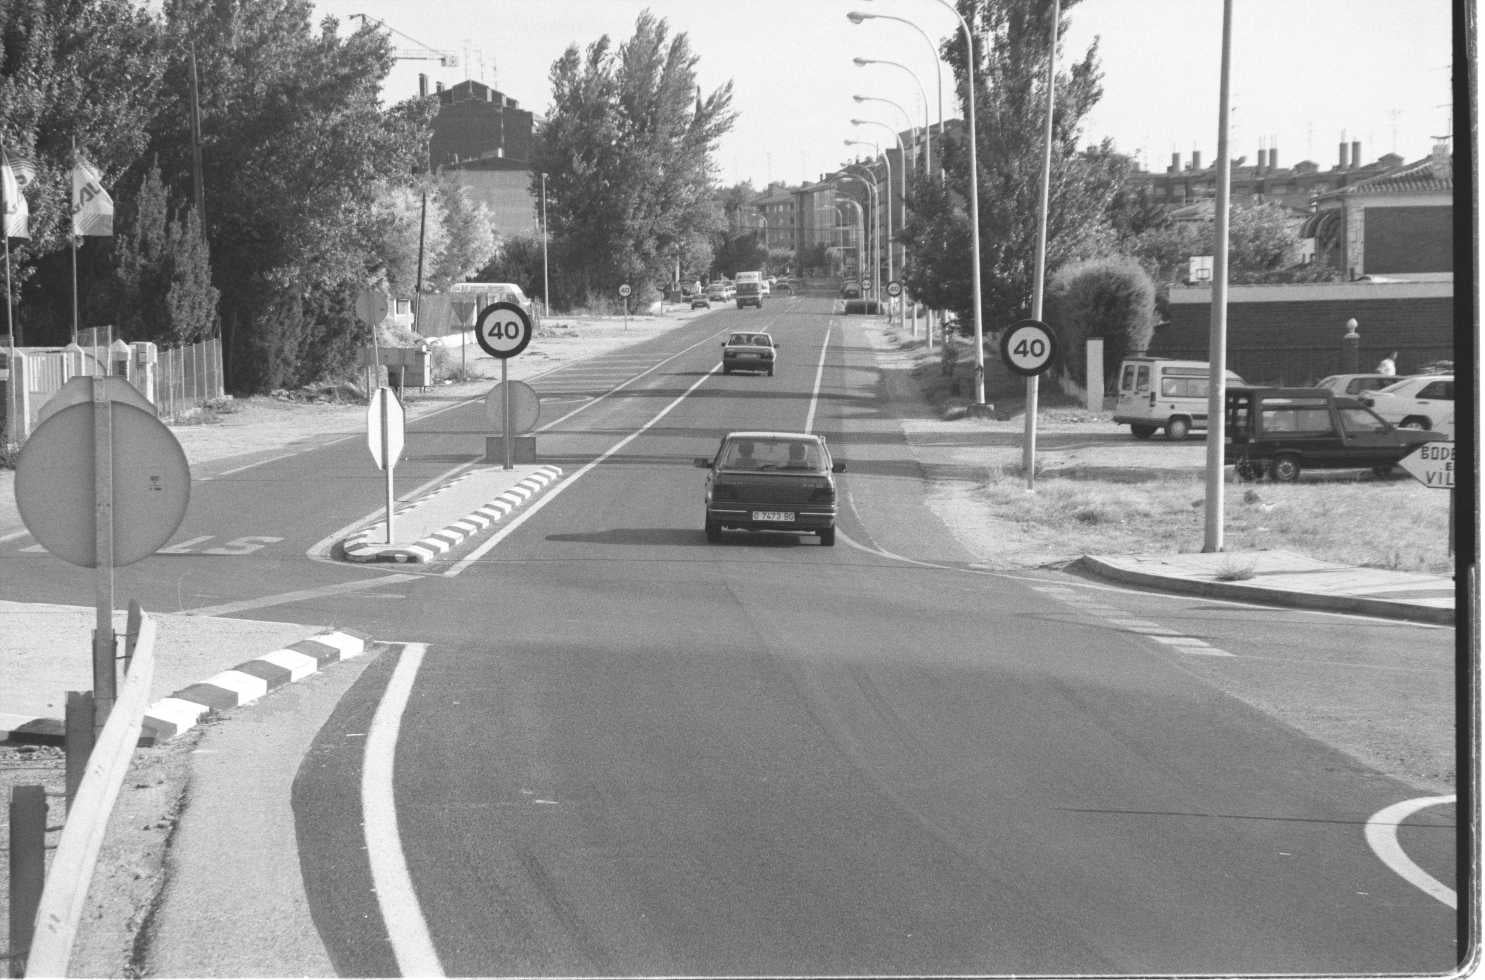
(105, 689)
(546, 283)
(1216, 385)
(386, 425)
(1028, 451)
(506, 435)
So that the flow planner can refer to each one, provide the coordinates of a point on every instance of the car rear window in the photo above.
(773, 454)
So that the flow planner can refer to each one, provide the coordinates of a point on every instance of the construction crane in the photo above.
(447, 59)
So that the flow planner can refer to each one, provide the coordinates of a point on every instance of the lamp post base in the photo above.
(979, 410)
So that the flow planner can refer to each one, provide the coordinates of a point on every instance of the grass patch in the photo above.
(1232, 570)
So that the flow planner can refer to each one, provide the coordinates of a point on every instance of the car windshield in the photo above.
(1358, 420)
(773, 454)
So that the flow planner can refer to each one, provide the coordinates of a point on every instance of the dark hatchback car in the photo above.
(749, 352)
(771, 481)
(1283, 431)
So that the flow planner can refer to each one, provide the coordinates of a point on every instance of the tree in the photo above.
(1263, 245)
(470, 231)
(627, 152)
(1111, 297)
(164, 291)
(1010, 101)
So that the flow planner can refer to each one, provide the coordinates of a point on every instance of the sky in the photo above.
(1306, 74)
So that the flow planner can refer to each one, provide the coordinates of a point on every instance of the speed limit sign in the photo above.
(1028, 347)
(894, 288)
(503, 330)
(624, 290)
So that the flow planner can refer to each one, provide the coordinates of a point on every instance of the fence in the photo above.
(175, 381)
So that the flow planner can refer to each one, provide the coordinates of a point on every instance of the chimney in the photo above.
(1273, 158)
(422, 85)
(1262, 159)
(1355, 154)
(1175, 163)
(1340, 163)
(1195, 159)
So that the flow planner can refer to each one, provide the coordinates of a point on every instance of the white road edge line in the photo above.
(402, 917)
(557, 489)
(1381, 835)
(809, 419)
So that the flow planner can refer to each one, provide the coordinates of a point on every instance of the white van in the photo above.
(1156, 393)
(496, 292)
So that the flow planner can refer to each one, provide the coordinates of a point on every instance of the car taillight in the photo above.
(823, 493)
(723, 492)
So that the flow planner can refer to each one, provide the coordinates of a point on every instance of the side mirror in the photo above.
(838, 466)
(702, 462)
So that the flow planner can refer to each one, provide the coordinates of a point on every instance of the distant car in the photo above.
(1356, 384)
(1423, 401)
(700, 302)
(765, 287)
(717, 292)
(771, 481)
(850, 289)
(784, 285)
(495, 292)
(749, 352)
(1283, 431)
(750, 293)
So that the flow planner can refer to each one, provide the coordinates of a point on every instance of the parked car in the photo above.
(749, 352)
(771, 481)
(495, 292)
(1355, 384)
(1284, 431)
(1424, 401)
(1156, 393)
(700, 302)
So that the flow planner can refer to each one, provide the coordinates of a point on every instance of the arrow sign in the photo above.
(1431, 464)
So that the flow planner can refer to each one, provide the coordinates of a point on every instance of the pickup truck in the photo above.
(1283, 431)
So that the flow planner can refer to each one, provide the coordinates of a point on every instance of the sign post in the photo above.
(1432, 464)
(385, 430)
(503, 331)
(624, 291)
(1027, 348)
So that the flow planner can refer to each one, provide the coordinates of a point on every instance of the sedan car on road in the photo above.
(771, 481)
(1356, 384)
(700, 302)
(1424, 401)
(749, 352)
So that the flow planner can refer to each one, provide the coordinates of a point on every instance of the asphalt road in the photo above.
(609, 747)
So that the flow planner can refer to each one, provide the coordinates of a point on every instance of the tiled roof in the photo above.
(1419, 176)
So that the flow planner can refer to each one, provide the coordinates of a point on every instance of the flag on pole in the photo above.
(16, 216)
(92, 208)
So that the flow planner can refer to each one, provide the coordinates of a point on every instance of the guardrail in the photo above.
(66, 890)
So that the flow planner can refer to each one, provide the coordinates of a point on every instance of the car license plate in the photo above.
(773, 515)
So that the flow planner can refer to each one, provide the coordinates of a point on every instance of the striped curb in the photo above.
(359, 547)
(243, 684)
(247, 682)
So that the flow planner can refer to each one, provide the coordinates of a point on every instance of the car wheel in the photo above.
(1413, 422)
(727, 370)
(713, 531)
(1142, 431)
(827, 536)
(1286, 468)
(1176, 429)
(1248, 470)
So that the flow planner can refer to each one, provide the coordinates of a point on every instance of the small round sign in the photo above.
(503, 330)
(1028, 347)
(525, 407)
(894, 288)
(866, 284)
(624, 290)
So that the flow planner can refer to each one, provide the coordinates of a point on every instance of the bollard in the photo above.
(78, 739)
(27, 869)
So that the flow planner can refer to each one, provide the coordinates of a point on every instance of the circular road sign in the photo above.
(525, 407)
(866, 284)
(1028, 347)
(624, 290)
(55, 490)
(503, 330)
(894, 288)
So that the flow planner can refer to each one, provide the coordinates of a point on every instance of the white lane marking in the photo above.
(556, 489)
(1381, 835)
(1164, 635)
(402, 917)
(228, 608)
(809, 419)
(246, 466)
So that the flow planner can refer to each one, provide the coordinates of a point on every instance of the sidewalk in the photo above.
(1283, 578)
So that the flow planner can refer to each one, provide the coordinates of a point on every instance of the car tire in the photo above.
(1177, 428)
(1142, 431)
(1286, 468)
(1413, 422)
(827, 536)
(713, 531)
(1247, 470)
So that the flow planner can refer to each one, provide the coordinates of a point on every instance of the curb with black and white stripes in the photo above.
(361, 547)
(243, 684)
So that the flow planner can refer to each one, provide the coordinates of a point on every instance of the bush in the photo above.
(1112, 298)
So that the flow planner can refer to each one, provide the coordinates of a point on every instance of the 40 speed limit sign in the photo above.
(1028, 347)
(503, 330)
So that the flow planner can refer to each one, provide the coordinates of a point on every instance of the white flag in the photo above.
(92, 208)
(16, 216)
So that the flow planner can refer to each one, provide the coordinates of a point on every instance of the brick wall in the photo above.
(1277, 336)
(1409, 239)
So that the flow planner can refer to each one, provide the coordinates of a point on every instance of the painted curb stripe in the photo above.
(296, 664)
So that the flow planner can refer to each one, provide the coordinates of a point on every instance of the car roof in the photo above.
(768, 434)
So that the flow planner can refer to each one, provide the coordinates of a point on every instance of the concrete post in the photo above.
(1351, 349)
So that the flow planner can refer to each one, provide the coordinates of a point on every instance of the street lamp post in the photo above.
(876, 208)
(979, 407)
(546, 282)
(927, 133)
(861, 226)
(901, 155)
(876, 274)
(856, 17)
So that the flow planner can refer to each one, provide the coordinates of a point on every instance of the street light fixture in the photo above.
(857, 17)
(887, 211)
(876, 208)
(861, 226)
(901, 181)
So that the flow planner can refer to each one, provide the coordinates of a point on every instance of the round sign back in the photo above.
(54, 485)
(525, 407)
(503, 330)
